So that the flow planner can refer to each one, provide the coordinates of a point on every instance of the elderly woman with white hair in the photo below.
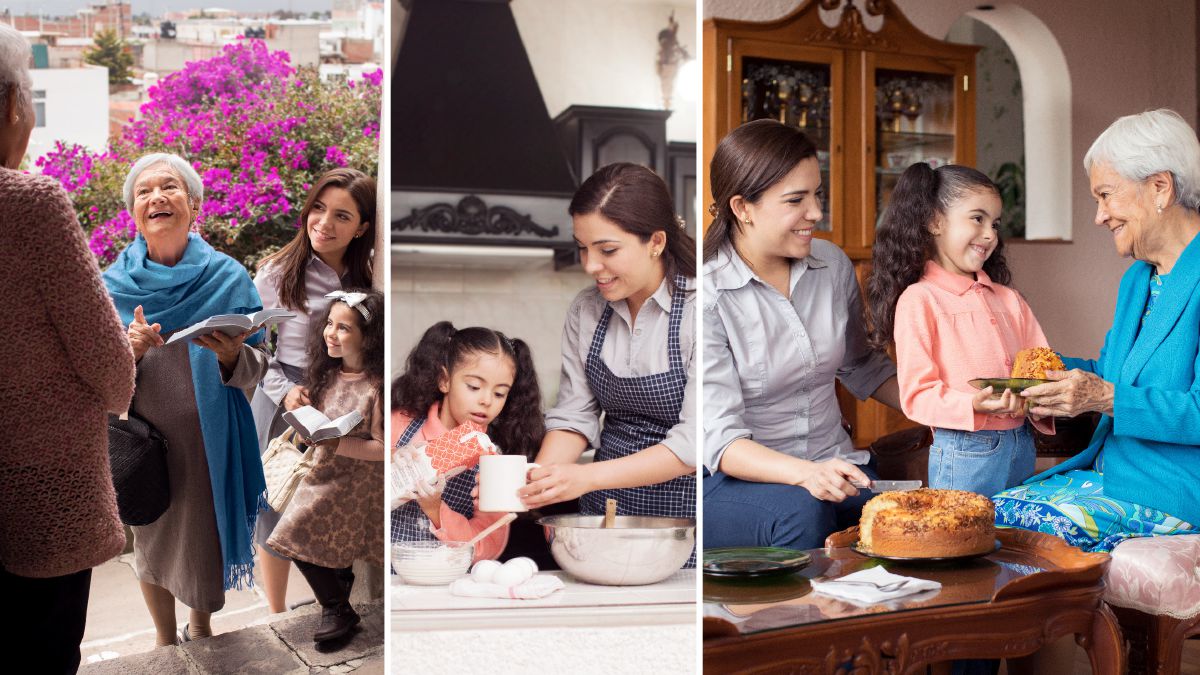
(167, 279)
(1137, 477)
(66, 365)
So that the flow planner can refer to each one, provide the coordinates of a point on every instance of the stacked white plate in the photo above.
(430, 563)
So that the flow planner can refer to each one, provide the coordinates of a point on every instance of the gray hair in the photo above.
(1139, 146)
(15, 54)
(195, 187)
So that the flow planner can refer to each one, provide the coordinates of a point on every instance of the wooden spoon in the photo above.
(504, 520)
(610, 513)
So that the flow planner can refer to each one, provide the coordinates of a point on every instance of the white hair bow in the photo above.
(352, 300)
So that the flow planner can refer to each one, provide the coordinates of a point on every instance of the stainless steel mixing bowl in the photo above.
(636, 550)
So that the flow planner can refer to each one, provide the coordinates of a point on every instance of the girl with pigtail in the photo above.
(939, 292)
(333, 519)
(452, 377)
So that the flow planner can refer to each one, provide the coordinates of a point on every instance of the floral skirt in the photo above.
(336, 515)
(1072, 506)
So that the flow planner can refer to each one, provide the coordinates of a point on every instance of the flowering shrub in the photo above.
(258, 131)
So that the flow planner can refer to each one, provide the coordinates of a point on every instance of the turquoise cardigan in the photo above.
(1151, 442)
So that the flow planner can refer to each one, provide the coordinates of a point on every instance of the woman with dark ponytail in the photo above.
(782, 319)
(629, 345)
(454, 376)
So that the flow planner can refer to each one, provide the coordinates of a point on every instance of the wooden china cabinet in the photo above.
(873, 101)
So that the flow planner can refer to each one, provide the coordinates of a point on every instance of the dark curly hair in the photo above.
(519, 427)
(322, 368)
(903, 241)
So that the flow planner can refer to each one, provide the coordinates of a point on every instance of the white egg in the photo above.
(484, 571)
(526, 562)
(508, 576)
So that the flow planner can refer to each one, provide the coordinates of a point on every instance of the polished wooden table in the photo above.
(1032, 591)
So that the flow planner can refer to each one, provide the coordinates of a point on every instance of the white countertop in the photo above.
(430, 608)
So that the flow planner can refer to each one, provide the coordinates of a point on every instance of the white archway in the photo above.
(1047, 110)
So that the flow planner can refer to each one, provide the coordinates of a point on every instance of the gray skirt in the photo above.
(268, 421)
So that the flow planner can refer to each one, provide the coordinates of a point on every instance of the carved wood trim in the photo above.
(472, 217)
(850, 30)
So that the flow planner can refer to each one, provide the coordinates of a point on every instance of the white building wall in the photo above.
(300, 40)
(76, 108)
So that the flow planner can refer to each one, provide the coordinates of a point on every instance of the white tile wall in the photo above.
(529, 303)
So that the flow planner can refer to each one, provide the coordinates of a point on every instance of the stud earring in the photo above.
(1159, 207)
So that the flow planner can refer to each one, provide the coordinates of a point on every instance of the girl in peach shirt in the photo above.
(939, 292)
(451, 377)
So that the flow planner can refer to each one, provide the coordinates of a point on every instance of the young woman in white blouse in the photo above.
(629, 347)
(333, 250)
(782, 320)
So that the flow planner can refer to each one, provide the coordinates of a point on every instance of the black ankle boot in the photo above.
(336, 622)
(337, 616)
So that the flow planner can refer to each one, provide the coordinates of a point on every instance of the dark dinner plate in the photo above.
(752, 561)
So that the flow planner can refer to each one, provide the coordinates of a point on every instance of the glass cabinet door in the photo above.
(914, 122)
(796, 94)
(797, 86)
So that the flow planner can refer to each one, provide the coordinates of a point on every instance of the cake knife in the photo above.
(889, 485)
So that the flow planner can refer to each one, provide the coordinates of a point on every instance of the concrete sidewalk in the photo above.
(284, 648)
(119, 637)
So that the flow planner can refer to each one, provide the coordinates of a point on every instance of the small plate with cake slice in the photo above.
(1029, 370)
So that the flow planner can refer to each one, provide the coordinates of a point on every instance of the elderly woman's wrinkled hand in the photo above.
(143, 336)
(226, 347)
(1072, 393)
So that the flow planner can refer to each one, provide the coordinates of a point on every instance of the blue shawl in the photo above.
(203, 283)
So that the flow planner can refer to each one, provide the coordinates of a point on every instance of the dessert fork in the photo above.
(890, 586)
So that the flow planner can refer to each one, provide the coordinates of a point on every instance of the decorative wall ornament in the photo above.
(671, 57)
(472, 217)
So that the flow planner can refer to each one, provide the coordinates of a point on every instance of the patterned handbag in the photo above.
(137, 455)
(284, 467)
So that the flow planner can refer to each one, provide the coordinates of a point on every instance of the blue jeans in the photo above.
(984, 462)
(745, 513)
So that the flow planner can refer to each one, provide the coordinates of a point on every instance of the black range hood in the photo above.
(467, 113)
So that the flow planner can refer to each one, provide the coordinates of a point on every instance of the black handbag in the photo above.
(137, 454)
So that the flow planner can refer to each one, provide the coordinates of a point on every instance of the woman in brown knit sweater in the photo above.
(66, 364)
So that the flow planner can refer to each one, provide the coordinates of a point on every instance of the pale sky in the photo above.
(157, 7)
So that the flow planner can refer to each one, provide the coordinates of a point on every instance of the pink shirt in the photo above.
(455, 527)
(951, 329)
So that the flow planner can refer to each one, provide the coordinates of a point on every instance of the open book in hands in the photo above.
(316, 427)
(232, 324)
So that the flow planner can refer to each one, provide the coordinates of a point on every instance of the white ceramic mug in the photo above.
(500, 476)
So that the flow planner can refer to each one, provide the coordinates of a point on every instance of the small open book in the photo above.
(232, 324)
(315, 426)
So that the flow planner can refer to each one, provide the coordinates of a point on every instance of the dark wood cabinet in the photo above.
(873, 101)
(594, 136)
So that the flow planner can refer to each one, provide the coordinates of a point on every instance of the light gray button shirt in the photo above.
(770, 361)
(630, 350)
(290, 342)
